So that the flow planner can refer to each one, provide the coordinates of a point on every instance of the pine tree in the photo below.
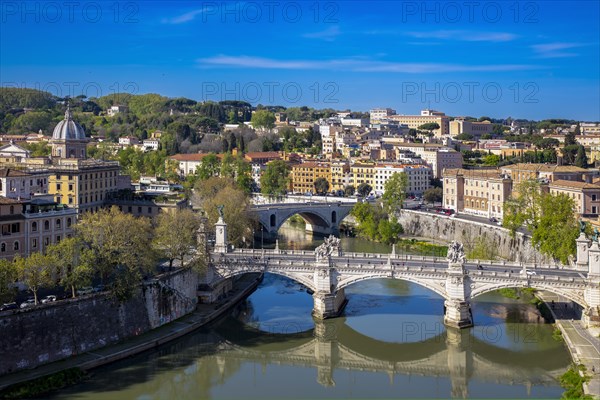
(581, 158)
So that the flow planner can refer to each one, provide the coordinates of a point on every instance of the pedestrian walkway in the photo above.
(203, 314)
(582, 343)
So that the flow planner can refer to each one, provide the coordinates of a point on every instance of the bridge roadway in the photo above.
(458, 284)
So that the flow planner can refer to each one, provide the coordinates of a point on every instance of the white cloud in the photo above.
(467, 36)
(355, 64)
(328, 34)
(183, 18)
(556, 49)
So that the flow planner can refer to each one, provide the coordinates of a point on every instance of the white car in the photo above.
(49, 299)
(530, 273)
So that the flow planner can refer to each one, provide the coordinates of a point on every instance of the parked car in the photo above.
(49, 299)
(28, 303)
(530, 273)
(85, 290)
(9, 306)
(493, 219)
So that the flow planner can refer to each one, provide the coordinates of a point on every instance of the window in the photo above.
(34, 226)
(34, 243)
(58, 187)
(16, 246)
(68, 222)
(12, 209)
(58, 224)
(594, 210)
(3, 247)
(594, 197)
(46, 225)
(46, 241)
(149, 210)
(58, 239)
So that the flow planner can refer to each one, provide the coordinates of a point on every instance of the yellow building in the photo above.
(340, 174)
(83, 184)
(304, 175)
(363, 173)
(74, 180)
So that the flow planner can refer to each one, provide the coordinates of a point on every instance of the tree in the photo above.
(8, 276)
(569, 153)
(581, 159)
(433, 195)
(522, 209)
(557, 228)
(263, 119)
(550, 219)
(221, 191)
(73, 263)
(275, 179)
(364, 189)
(395, 192)
(209, 167)
(35, 271)
(430, 126)
(349, 190)
(120, 247)
(321, 186)
(175, 234)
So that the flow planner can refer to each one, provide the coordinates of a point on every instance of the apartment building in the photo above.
(304, 175)
(476, 129)
(19, 184)
(378, 114)
(418, 176)
(340, 174)
(476, 192)
(427, 116)
(84, 183)
(585, 195)
(550, 172)
(362, 173)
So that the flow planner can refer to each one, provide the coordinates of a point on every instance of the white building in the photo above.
(419, 177)
(128, 140)
(114, 110)
(16, 184)
(355, 122)
(377, 114)
(151, 144)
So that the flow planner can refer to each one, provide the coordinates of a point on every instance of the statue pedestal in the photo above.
(221, 236)
(583, 247)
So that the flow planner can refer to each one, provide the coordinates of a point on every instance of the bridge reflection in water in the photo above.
(234, 355)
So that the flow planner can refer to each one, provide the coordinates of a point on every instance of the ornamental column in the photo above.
(329, 301)
(457, 308)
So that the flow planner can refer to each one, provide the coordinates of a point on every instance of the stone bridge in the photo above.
(327, 272)
(321, 214)
(446, 354)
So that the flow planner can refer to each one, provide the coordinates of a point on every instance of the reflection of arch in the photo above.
(385, 274)
(567, 293)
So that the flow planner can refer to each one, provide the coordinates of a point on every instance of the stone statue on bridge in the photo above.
(330, 246)
(456, 253)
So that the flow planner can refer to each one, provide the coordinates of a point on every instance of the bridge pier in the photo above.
(329, 305)
(457, 308)
(329, 302)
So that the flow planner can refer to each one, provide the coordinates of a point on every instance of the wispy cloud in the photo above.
(355, 65)
(556, 49)
(183, 18)
(467, 36)
(328, 35)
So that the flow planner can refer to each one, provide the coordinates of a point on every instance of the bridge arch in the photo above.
(427, 284)
(567, 293)
(307, 282)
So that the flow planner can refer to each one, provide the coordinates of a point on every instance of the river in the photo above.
(389, 342)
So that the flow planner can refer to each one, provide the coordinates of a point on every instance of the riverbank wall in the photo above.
(444, 228)
(47, 333)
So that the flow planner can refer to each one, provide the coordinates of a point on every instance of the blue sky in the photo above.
(522, 59)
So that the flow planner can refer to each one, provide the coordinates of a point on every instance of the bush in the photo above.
(43, 385)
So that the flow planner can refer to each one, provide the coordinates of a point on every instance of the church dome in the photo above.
(67, 129)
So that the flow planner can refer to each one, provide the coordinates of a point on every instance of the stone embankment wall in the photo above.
(50, 332)
(444, 228)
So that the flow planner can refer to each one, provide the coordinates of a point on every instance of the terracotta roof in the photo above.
(263, 154)
(6, 172)
(574, 184)
(192, 156)
(7, 201)
(544, 167)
